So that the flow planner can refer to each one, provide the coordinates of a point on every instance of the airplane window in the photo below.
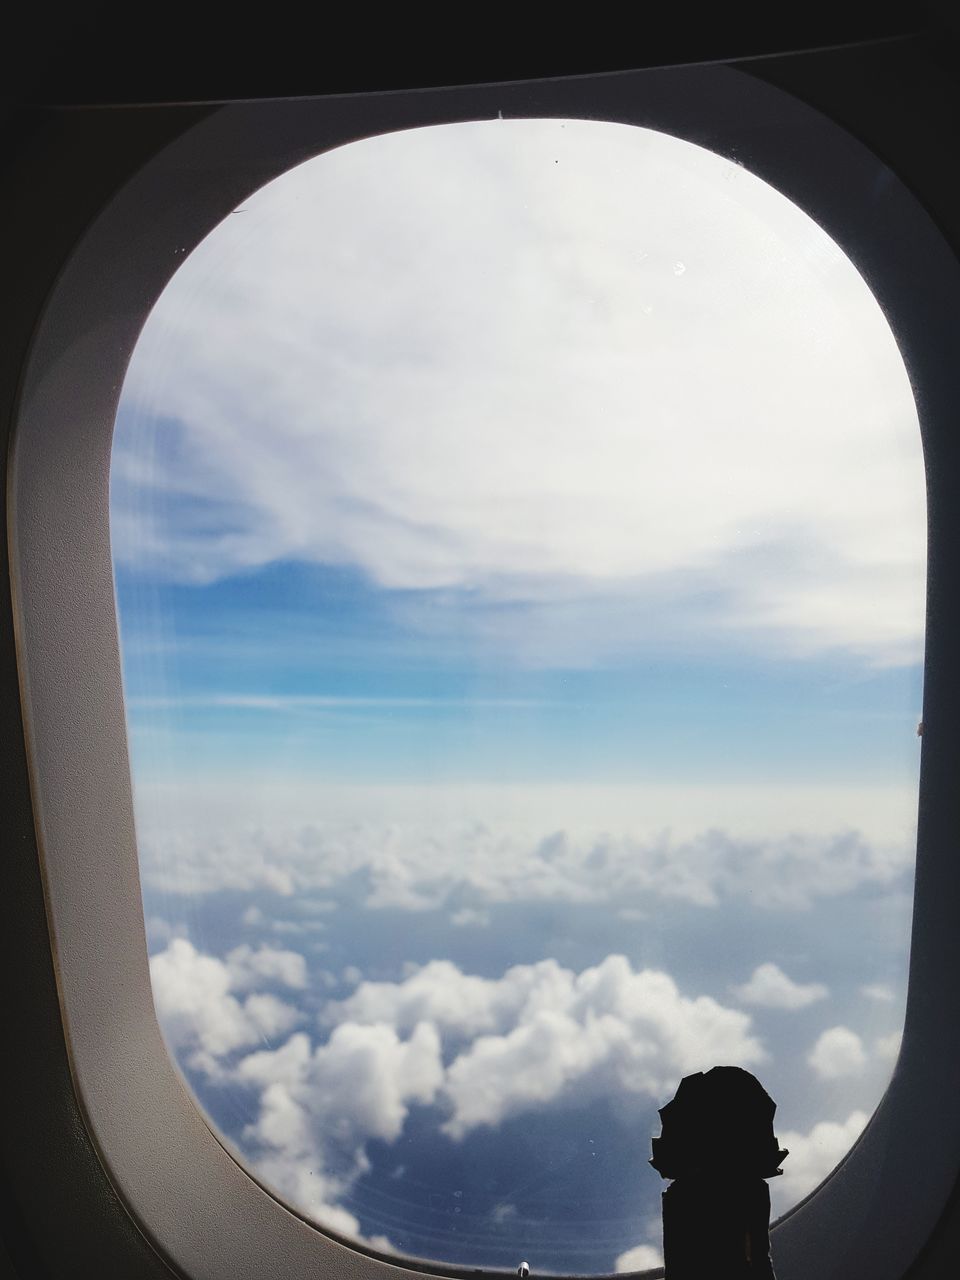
(519, 540)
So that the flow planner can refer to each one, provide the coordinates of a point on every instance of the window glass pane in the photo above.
(519, 539)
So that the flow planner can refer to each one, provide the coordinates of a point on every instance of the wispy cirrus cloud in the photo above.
(659, 394)
(308, 702)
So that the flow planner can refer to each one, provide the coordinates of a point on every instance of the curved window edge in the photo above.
(202, 1211)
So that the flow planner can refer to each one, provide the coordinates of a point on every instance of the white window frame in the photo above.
(202, 1211)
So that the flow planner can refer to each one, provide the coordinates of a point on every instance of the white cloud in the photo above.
(812, 1156)
(642, 1257)
(158, 931)
(251, 968)
(888, 1047)
(356, 1086)
(769, 986)
(270, 1016)
(880, 991)
(319, 1106)
(181, 858)
(374, 848)
(197, 1006)
(502, 408)
(455, 1002)
(470, 917)
(479, 1049)
(838, 1053)
(543, 1034)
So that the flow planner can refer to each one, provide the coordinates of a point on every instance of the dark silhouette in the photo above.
(717, 1145)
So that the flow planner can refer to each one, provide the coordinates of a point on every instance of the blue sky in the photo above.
(321, 665)
(518, 532)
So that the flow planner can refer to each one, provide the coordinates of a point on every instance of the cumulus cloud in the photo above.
(812, 1156)
(455, 1002)
(316, 1106)
(251, 968)
(838, 1053)
(197, 999)
(642, 1257)
(880, 991)
(450, 419)
(888, 1047)
(158, 931)
(542, 1034)
(769, 986)
(477, 1049)
(358, 1085)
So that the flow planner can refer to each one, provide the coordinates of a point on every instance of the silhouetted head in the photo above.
(720, 1121)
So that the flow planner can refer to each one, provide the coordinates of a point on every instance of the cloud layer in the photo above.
(589, 387)
(479, 1049)
(310, 1092)
(469, 866)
